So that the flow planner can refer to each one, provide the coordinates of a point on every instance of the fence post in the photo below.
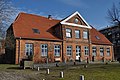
(48, 71)
(61, 74)
(82, 77)
(38, 68)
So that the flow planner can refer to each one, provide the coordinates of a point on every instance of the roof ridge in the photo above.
(36, 15)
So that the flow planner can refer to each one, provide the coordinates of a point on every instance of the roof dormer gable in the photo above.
(75, 20)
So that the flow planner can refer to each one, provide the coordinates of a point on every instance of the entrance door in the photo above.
(77, 52)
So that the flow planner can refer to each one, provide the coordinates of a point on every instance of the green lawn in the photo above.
(92, 72)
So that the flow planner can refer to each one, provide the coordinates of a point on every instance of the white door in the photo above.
(77, 52)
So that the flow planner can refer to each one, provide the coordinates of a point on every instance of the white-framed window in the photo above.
(44, 49)
(68, 33)
(78, 50)
(86, 50)
(101, 51)
(69, 50)
(108, 51)
(85, 34)
(77, 33)
(29, 49)
(94, 51)
(56, 50)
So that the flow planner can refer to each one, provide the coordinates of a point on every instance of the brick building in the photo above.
(2, 50)
(2, 45)
(44, 39)
(113, 34)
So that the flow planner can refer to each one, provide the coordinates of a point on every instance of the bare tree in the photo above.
(114, 14)
(6, 15)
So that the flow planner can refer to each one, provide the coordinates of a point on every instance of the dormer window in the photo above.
(97, 37)
(36, 31)
(76, 20)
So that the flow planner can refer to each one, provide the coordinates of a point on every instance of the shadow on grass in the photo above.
(14, 68)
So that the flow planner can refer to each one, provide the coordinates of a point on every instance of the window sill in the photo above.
(44, 56)
(57, 56)
(77, 38)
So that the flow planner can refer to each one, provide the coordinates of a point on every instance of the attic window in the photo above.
(36, 31)
(76, 20)
(97, 37)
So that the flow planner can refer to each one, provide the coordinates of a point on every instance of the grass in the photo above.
(92, 72)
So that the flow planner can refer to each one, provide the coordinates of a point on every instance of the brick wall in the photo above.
(37, 50)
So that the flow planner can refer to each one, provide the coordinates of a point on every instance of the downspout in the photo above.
(89, 42)
(19, 50)
(113, 53)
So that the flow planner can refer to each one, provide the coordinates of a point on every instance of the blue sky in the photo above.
(93, 11)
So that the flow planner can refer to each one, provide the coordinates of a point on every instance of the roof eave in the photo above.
(39, 39)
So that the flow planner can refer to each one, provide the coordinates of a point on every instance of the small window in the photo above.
(76, 20)
(85, 34)
(56, 50)
(36, 31)
(94, 51)
(97, 37)
(117, 35)
(78, 50)
(101, 51)
(68, 33)
(29, 49)
(69, 50)
(44, 50)
(108, 51)
(77, 33)
(86, 50)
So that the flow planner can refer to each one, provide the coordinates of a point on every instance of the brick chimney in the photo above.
(50, 17)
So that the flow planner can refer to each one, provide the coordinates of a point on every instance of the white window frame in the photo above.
(85, 34)
(44, 50)
(101, 51)
(108, 51)
(86, 50)
(78, 50)
(57, 50)
(77, 33)
(94, 51)
(28, 49)
(69, 50)
(68, 33)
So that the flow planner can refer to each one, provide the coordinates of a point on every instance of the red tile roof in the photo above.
(101, 38)
(24, 24)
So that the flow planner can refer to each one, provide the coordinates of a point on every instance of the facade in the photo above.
(113, 34)
(2, 48)
(45, 39)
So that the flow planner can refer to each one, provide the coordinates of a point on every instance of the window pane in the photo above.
(85, 35)
(108, 51)
(43, 49)
(94, 51)
(29, 49)
(69, 50)
(101, 51)
(68, 33)
(56, 50)
(77, 34)
(86, 50)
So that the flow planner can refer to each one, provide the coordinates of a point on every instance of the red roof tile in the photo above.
(24, 24)
(98, 38)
